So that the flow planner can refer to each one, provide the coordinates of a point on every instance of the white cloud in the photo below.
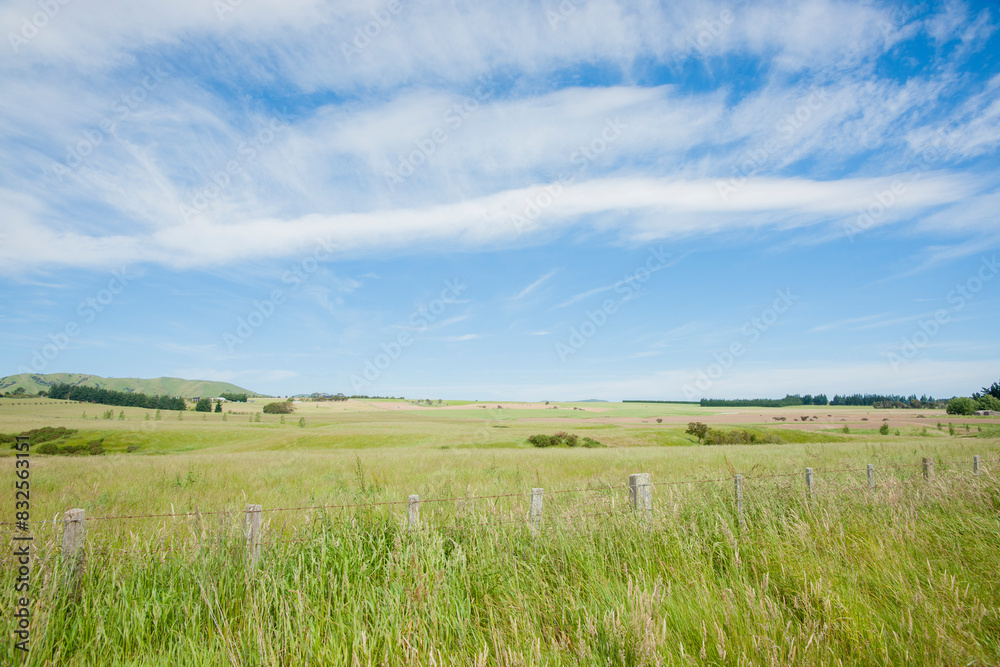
(533, 286)
(648, 208)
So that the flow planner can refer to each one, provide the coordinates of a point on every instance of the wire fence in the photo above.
(639, 503)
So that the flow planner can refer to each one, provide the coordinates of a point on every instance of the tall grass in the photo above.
(904, 574)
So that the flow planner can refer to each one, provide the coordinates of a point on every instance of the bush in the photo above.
(39, 435)
(738, 437)
(961, 406)
(203, 405)
(49, 448)
(562, 439)
(282, 408)
(885, 429)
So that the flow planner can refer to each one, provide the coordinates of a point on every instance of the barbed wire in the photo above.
(386, 503)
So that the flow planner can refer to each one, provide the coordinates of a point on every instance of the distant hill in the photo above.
(33, 383)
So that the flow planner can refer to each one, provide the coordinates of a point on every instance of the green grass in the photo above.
(904, 574)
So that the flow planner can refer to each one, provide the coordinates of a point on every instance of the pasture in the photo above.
(904, 572)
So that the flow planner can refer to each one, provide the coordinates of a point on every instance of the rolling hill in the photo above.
(33, 383)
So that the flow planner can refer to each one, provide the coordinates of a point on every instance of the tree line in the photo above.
(85, 394)
(858, 400)
(788, 400)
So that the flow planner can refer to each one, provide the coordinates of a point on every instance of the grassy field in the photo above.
(904, 573)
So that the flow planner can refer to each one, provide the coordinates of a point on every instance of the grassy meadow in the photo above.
(904, 573)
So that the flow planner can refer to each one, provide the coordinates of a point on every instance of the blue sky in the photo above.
(504, 200)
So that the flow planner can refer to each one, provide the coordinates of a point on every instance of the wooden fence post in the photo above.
(413, 511)
(535, 509)
(739, 499)
(975, 464)
(928, 467)
(253, 533)
(809, 481)
(871, 476)
(640, 492)
(74, 536)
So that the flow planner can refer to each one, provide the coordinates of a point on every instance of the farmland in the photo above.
(902, 572)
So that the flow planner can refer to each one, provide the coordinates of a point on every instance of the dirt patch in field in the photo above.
(851, 418)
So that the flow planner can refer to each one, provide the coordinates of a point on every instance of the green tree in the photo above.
(697, 429)
(885, 428)
(961, 406)
(988, 402)
(280, 408)
(993, 390)
(218, 406)
(203, 405)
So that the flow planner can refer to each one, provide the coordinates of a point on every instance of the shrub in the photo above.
(961, 406)
(281, 408)
(884, 430)
(541, 440)
(96, 447)
(49, 448)
(561, 439)
(738, 437)
(203, 405)
(659, 420)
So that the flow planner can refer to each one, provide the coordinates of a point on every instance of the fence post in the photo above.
(74, 535)
(928, 467)
(253, 533)
(871, 476)
(975, 464)
(413, 511)
(640, 492)
(535, 509)
(739, 499)
(809, 481)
